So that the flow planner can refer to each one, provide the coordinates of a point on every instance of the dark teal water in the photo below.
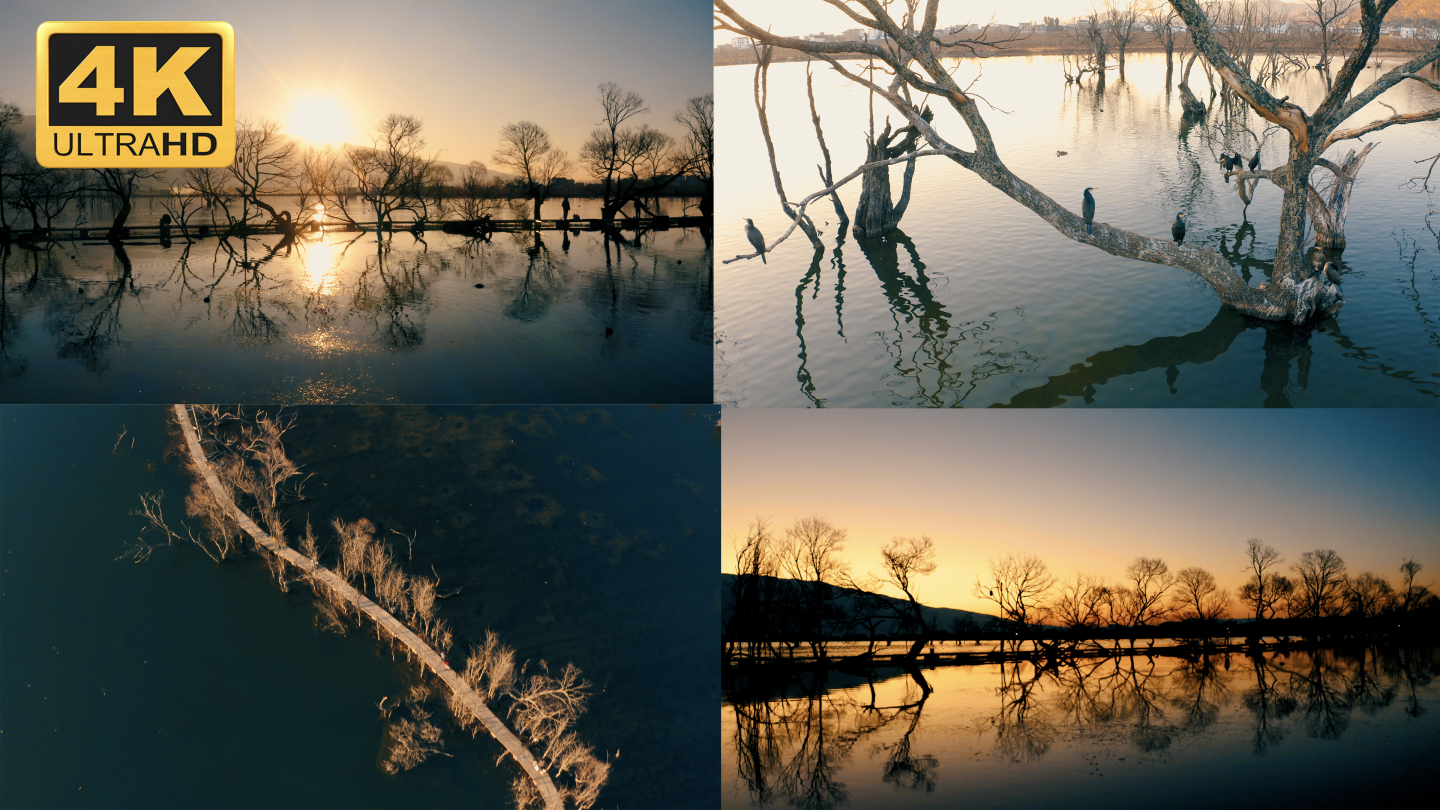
(177, 683)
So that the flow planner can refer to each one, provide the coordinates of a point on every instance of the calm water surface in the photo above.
(977, 302)
(179, 683)
(1328, 728)
(559, 318)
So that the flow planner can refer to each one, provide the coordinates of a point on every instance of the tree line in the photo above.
(794, 590)
(630, 163)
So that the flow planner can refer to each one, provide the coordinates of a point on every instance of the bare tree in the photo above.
(1198, 597)
(810, 555)
(1321, 584)
(43, 193)
(121, 184)
(481, 193)
(1161, 19)
(1260, 590)
(1079, 602)
(490, 668)
(1143, 599)
(1329, 21)
(698, 148)
(1368, 594)
(753, 594)
(264, 166)
(1018, 586)
(11, 164)
(392, 172)
(1295, 292)
(1411, 595)
(903, 559)
(1122, 18)
(526, 150)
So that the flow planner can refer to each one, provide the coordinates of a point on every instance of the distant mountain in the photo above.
(939, 618)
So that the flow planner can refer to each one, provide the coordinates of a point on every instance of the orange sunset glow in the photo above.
(1090, 491)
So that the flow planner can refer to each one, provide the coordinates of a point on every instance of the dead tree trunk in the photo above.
(1188, 101)
(762, 98)
(1329, 207)
(875, 215)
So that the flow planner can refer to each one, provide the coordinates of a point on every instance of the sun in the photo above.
(318, 119)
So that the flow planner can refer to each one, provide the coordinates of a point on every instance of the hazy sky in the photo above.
(1092, 490)
(465, 68)
(796, 17)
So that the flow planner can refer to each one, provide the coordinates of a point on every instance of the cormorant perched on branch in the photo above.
(1255, 161)
(753, 234)
(1177, 229)
(1229, 163)
(1088, 210)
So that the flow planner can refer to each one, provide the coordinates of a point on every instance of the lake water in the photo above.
(977, 302)
(525, 317)
(179, 683)
(1327, 728)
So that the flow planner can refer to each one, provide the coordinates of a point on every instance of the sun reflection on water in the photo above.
(320, 258)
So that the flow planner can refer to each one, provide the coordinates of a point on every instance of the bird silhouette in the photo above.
(1331, 272)
(1177, 229)
(1255, 161)
(753, 234)
(1088, 210)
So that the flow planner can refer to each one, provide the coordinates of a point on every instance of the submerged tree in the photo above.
(810, 555)
(903, 559)
(1018, 585)
(1265, 589)
(539, 166)
(1295, 292)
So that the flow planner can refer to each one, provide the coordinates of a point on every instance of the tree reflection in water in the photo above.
(306, 299)
(944, 364)
(793, 740)
(788, 749)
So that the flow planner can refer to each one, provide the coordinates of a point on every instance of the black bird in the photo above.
(753, 234)
(1177, 229)
(1228, 163)
(609, 330)
(1331, 273)
(1088, 210)
(1255, 161)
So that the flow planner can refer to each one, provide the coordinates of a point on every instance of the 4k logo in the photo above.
(134, 94)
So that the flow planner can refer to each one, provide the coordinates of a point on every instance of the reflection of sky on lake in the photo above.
(541, 317)
(977, 302)
(1327, 728)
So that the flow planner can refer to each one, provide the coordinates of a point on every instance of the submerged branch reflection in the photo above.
(793, 740)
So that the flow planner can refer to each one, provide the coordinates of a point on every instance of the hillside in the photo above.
(941, 618)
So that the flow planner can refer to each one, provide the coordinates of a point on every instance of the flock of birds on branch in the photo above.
(1228, 163)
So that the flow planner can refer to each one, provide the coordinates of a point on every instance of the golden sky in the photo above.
(465, 68)
(1091, 490)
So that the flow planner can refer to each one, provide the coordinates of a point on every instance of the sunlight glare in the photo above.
(320, 258)
(318, 119)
